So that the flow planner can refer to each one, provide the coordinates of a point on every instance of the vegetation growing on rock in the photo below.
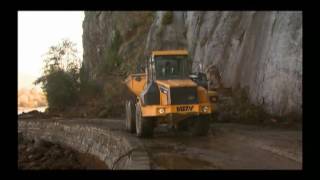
(167, 18)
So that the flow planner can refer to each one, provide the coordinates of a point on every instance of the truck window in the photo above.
(171, 67)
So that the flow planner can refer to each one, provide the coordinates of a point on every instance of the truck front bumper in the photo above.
(183, 109)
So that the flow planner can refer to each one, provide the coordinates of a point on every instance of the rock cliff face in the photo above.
(107, 35)
(260, 52)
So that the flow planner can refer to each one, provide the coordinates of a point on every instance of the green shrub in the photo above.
(61, 90)
(60, 77)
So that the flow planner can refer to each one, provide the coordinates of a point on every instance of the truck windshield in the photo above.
(171, 67)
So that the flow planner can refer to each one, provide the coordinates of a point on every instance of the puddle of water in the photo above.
(173, 161)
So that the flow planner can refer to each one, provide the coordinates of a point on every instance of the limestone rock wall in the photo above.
(258, 51)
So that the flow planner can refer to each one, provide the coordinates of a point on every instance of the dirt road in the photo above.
(228, 146)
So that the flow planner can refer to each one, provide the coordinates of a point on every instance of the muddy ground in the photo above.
(228, 146)
(35, 155)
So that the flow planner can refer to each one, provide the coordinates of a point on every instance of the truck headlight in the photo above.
(204, 108)
(161, 110)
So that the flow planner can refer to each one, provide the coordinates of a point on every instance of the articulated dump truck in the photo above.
(168, 93)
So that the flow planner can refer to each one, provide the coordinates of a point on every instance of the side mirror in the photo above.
(193, 76)
(200, 79)
(202, 76)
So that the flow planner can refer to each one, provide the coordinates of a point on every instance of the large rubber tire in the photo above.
(144, 125)
(130, 117)
(200, 126)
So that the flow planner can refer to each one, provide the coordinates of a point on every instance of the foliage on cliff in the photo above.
(113, 52)
(167, 18)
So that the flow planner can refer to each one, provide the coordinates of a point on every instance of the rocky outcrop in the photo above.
(108, 33)
(260, 52)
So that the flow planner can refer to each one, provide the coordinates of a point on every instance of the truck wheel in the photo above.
(144, 125)
(200, 126)
(130, 117)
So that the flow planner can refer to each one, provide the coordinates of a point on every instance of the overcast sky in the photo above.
(37, 31)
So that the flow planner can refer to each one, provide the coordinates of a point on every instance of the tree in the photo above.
(63, 56)
(60, 78)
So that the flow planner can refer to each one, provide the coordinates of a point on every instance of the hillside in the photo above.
(257, 52)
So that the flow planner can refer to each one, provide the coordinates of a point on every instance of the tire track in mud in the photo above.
(239, 147)
(222, 149)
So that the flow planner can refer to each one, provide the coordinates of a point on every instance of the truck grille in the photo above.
(183, 95)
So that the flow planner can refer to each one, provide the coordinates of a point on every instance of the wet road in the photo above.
(228, 146)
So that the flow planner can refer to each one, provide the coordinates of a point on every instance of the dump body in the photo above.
(136, 83)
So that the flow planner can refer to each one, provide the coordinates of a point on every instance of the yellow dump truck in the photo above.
(168, 93)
